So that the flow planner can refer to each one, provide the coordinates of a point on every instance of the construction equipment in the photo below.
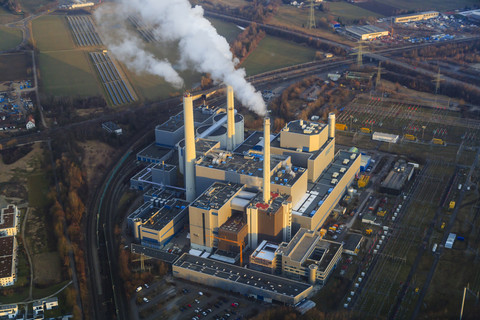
(438, 141)
(381, 213)
(451, 205)
(410, 137)
(341, 127)
(363, 181)
(368, 232)
(238, 243)
(365, 130)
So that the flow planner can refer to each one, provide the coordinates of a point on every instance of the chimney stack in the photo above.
(230, 119)
(266, 160)
(190, 153)
(331, 125)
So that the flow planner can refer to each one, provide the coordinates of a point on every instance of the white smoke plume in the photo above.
(129, 49)
(201, 47)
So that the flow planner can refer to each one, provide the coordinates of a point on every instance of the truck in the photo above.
(410, 137)
(451, 205)
(438, 141)
(365, 130)
(341, 127)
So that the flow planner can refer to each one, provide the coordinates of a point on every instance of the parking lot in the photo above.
(177, 299)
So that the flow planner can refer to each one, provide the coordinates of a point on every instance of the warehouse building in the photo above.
(308, 257)
(416, 16)
(9, 221)
(385, 137)
(352, 243)
(397, 178)
(366, 32)
(155, 222)
(251, 283)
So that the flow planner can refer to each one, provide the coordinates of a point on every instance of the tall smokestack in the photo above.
(266, 160)
(230, 119)
(190, 154)
(331, 125)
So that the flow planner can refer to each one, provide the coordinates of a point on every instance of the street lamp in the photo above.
(423, 130)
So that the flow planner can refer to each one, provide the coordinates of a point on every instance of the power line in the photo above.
(311, 18)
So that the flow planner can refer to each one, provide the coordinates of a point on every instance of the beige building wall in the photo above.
(317, 165)
(300, 140)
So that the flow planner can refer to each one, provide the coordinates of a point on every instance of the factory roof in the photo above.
(366, 29)
(256, 279)
(252, 165)
(300, 244)
(395, 180)
(202, 146)
(416, 14)
(162, 166)
(276, 201)
(351, 241)
(266, 251)
(217, 132)
(6, 256)
(250, 142)
(7, 218)
(156, 215)
(314, 154)
(323, 254)
(154, 253)
(305, 127)
(154, 151)
(217, 195)
(200, 115)
(234, 224)
(238, 117)
(159, 194)
(325, 184)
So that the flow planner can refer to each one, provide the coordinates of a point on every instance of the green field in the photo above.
(226, 29)
(345, 11)
(67, 73)
(438, 5)
(14, 66)
(34, 5)
(154, 87)
(51, 33)
(273, 53)
(9, 38)
(37, 190)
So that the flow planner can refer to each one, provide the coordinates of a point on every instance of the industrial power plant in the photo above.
(254, 208)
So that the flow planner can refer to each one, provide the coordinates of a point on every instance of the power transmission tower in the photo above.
(437, 80)
(311, 18)
(379, 76)
(359, 53)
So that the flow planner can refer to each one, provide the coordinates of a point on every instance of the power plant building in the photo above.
(155, 222)
(308, 257)
(246, 194)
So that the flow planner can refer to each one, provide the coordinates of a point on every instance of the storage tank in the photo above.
(219, 134)
(239, 126)
(353, 149)
(312, 273)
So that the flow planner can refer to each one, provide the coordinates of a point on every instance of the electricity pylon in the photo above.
(311, 18)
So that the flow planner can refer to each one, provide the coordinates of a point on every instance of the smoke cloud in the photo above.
(201, 47)
(129, 49)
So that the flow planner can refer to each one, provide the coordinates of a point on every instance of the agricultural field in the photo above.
(412, 121)
(226, 29)
(15, 66)
(9, 38)
(34, 5)
(272, 53)
(51, 33)
(67, 74)
(84, 31)
(438, 5)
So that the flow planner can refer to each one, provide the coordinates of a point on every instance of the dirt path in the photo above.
(28, 252)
